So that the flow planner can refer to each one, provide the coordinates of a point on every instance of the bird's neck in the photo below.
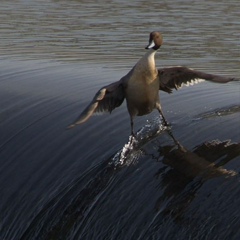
(147, 61)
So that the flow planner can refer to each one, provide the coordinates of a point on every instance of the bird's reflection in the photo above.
(183, 174)
(206, 160)
(189, 170)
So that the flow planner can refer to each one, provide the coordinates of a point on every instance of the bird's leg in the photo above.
(132, 132)
(175, 140)
(161, 113)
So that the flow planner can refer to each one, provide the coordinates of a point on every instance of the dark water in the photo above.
(88, 183)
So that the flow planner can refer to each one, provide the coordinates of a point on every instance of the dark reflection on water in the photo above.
(88, 183)
(59, 183)
(72, 210)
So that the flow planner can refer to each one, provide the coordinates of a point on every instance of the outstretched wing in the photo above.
(174, 77)
(105, 100)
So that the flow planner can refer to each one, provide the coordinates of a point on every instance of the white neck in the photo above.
(150, 56)
(148, 60)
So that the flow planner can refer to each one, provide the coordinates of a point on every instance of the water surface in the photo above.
(87, 183)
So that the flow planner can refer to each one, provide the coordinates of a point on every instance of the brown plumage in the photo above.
(141, 85)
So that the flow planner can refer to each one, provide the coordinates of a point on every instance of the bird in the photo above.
(140, 86)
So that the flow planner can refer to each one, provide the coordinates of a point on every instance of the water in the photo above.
(90, 182)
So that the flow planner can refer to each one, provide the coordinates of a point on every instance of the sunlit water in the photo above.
(93, 182)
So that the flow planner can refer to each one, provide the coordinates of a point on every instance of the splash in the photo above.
(219, 112)
(131, 151)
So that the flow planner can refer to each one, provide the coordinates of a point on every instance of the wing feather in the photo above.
(106, 100)
(175, 77)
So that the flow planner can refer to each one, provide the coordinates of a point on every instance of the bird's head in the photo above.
(155, 41)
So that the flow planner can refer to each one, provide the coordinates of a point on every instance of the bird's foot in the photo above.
(132, 138)
(165, 123)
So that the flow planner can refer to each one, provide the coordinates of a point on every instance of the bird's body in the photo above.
(141, 86)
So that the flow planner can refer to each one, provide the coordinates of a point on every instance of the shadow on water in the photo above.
(181, 176)
(206, 161)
